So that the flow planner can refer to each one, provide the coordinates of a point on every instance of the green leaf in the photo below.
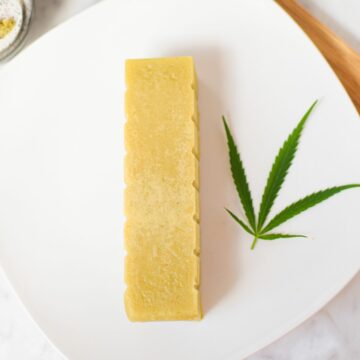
(239, 177)
(280, 169)
(279, 236)
(275, 180)
(239, 221)
(304, 204)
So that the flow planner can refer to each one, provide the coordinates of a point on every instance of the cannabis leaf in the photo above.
(240, 179)
(304, 204)
(276, 178)
(280, 168)
(278, 236)
(244, 226)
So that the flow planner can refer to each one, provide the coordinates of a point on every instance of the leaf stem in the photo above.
(254, 243)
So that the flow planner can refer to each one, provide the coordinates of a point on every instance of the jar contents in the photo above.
(6, 26)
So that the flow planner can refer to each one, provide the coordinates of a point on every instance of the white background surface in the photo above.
(331, 334)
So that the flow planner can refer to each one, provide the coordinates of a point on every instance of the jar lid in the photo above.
(15, 18)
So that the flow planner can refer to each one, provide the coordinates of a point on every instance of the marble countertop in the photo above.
(332, 334)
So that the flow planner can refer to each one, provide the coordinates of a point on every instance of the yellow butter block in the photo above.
(161, 197)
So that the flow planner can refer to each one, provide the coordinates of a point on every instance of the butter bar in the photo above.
(162, 240)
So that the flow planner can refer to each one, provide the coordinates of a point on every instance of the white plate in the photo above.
(61, 154)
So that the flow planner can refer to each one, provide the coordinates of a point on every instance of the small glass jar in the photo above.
(15, 19)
